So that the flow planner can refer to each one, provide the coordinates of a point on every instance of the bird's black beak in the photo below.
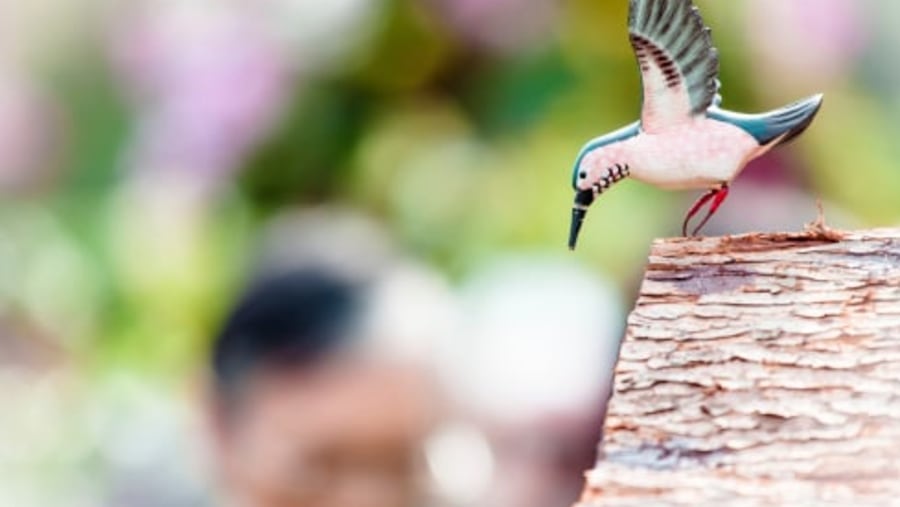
(583, 200)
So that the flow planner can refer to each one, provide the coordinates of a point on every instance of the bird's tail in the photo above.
(779, 126)
(789, 122)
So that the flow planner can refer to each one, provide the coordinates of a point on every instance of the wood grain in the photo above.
(759, 370)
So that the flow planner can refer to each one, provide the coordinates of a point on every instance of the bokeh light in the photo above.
(154, 153)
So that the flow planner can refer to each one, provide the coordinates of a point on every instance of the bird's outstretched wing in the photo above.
(679, 65)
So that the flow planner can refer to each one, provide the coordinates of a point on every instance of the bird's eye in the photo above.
(582, 175)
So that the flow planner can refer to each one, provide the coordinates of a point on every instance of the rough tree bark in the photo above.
(759, 370)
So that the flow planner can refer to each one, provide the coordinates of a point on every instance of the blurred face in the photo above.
(346, 434)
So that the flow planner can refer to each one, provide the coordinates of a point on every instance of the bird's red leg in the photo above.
(720, 196)
(695, 208)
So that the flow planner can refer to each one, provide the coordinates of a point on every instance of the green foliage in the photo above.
(462, 150)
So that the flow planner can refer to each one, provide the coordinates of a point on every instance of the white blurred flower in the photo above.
(461, 462)
(541, 339)
(413, 311)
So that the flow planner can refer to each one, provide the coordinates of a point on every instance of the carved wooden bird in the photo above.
(684, 139)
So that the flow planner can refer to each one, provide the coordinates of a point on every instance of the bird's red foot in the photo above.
(718, 197)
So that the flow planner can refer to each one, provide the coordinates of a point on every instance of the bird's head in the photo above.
(597, 169)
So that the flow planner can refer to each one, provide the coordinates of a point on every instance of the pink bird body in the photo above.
(699, 154)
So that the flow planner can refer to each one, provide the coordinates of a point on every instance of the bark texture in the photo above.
(759, 370)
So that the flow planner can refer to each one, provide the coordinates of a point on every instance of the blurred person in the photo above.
(302, 412)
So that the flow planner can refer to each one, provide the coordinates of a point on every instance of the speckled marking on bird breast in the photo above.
(702, 153)
(601, 160)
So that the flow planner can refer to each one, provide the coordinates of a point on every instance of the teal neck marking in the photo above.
(622, 134)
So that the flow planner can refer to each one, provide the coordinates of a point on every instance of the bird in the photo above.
(684, 138)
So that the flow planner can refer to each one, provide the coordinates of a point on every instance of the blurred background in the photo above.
(154, 152)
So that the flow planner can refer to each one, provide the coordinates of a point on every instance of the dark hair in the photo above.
(290, 320)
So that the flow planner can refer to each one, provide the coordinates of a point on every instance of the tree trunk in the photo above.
(759, 370)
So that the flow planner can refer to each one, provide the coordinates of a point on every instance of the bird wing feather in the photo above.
(678, 63)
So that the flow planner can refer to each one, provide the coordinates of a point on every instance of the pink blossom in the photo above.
(807, 41)
(207, 84)
(501, 25)
(29, 133)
